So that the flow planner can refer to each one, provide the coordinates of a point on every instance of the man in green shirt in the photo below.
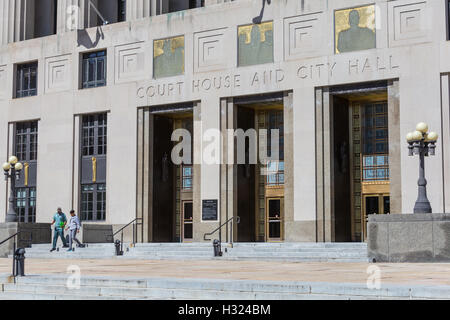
(60, 221)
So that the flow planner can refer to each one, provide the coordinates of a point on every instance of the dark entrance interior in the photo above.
(342, 182)
(163, 187)
(246, 182)
(172, 189)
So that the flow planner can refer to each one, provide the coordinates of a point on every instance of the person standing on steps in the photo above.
(60, 221)
(74, 228)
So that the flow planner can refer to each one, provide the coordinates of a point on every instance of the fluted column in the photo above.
(70, 15)
(139, 9)
(12, 22)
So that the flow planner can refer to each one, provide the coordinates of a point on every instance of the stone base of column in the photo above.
(409, 238)
(38, 233)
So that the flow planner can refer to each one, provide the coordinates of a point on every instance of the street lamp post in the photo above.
(12, 170)
(422, 143)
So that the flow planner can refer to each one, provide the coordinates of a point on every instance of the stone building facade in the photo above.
(91, 94)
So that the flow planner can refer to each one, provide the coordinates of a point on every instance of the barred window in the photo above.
(26, 204)
(94, 135)
(94, 69)
(26, 141)
(93, 202)
(26, 84)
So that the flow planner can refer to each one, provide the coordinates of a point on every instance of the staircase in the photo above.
(287, 252)
(54, 287)
(299, 252)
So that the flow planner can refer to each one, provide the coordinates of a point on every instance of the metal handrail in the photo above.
(15, 247)
(13, 236)
(135, 223)
(238, 220)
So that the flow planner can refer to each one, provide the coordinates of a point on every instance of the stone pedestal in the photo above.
(31, 233)
(409, 238)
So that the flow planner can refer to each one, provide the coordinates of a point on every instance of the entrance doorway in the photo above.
(172, 211)
(188, 220)
(361, 161)
(260, 187)
(274, 218)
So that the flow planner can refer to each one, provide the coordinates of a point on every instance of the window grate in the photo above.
(94, 135)
(26, 204)
(26, 80)
(93, 202)
(26, 141)
(94, 69)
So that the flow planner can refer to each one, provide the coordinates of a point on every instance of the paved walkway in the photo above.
(412, 274)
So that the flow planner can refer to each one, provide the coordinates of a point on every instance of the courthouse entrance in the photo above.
(172, 210)
(361, 175)
(260, 187)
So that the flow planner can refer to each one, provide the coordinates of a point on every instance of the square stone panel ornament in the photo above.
(303, 36)
(209, 50)
(255, 44)
(129, 62)
(409, 23)
(168, 57)
(58, 73)
(355, 29)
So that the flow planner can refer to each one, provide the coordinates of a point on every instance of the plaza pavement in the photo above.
(437, 274)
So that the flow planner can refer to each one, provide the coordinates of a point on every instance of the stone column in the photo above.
(70, 15)
(228, 185)
(396, 143)
(139, 9)
(324, 183)
(12, 21)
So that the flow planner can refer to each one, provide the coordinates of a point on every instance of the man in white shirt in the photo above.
(74, 228)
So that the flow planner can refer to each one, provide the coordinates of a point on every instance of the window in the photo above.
(177, 5)
(187, 177)
(93, 167)
(94, 135)
(26, 204)
(275, 173)
(122, 6)
(26, 141)
(93, 202)
(26, 85)
(25, 147)
(275, 169)
(375, 160)
(94, 69)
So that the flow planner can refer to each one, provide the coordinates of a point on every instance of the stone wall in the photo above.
(409, 238)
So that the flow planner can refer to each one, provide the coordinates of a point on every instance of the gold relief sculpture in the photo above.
(255, 44)
(26, 166)
(94, 169)
(355, 29)
(168, 57)
(247, 31)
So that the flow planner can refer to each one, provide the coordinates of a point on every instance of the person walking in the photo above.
(60, 221)
(74, 228)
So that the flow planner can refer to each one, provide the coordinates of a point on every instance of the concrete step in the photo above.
(295, 252)
(9, 296)
(54, 287)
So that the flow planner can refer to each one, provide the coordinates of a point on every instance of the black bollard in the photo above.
(19, 258)
(217, 248)
(118, 251)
